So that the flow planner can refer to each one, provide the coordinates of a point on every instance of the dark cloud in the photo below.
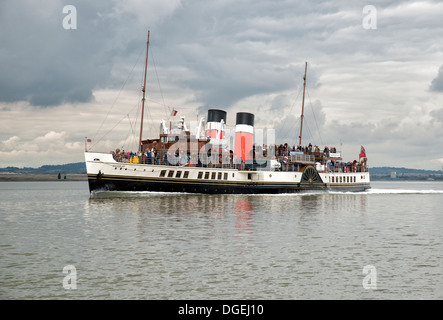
(226, 53)
(437, 83)
(46, 65)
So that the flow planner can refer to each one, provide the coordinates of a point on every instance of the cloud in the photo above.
(372, 87)
(437, 115)
(47, 65)
(437, 83)
(11, 143)
(43, 63)
(17, 152)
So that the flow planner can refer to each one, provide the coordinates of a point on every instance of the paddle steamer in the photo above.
(207, 158)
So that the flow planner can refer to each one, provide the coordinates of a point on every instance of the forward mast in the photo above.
(143, 99)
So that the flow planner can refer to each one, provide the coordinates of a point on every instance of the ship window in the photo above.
(206, 175)
(355, 179)
(162, 173)
(219, 177)
(200, 175)
(186, 174)
(341, 180)
(213, 175)
(225, 176)
(171, 173)
(249, 176)
(178, 174)
(332, 179)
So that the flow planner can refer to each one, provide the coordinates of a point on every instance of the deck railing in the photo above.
(288, 163)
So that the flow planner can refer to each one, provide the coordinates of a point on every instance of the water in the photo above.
(182, 246)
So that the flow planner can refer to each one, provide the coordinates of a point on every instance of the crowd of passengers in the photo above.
(285, 149)
(230, 161)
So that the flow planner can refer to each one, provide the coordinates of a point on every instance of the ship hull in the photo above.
(130, 184)
(105, 174)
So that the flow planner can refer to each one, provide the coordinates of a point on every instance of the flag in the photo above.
(362, 152)
(174, 112)
(89, 140)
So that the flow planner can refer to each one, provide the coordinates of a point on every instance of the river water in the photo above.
(58, 242)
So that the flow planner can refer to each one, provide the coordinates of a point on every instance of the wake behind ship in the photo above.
(208, 158)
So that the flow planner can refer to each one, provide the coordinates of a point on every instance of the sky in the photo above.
(374, 75)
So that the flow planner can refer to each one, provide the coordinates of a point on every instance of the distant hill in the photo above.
(78, 167)
(392, 173)
(388, 170)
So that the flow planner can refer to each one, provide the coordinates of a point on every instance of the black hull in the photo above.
(111, 184)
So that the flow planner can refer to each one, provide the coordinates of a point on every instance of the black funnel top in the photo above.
(245, 118)
(215, 115)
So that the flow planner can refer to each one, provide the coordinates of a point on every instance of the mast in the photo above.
(303, 104)
(143, 99)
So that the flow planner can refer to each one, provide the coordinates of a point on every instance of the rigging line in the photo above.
(137, 114)
(290, 112)
(315, 118)
(131, 138)
(309, 130)
(149, 113)
(151, 121)
(149, 116)
(158, 81)
(115, 100)
(110, 130)
(128, 135)
(132, 130)
(126, 141)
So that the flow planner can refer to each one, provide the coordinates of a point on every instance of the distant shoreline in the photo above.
(6, 177)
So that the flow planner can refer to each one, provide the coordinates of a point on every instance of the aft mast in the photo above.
(143, 100)
(303, 104)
